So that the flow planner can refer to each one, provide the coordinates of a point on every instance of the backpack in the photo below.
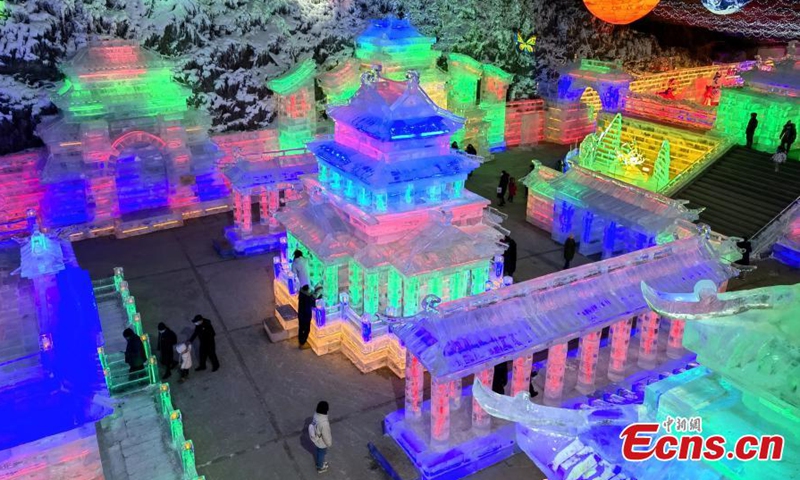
(313, 433)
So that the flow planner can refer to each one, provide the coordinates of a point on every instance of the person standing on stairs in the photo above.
(208, 346)
(751, 129)
(166, 349)
(779, 157)
(134, 353)
(569, 250)
(788, 136)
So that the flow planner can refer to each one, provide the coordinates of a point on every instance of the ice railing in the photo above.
(770, 233)
(698, 166)
(180, 443)
(134, 322)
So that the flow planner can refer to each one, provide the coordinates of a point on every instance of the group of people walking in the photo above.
(787, 137)
(168, 346)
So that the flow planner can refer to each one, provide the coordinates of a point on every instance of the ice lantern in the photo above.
(620, 12)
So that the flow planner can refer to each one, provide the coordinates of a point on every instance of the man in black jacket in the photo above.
(750, 131)
(569, 250)
(208, 347)
(166, 349)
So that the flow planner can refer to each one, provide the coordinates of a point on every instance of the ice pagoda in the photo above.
(385, 223)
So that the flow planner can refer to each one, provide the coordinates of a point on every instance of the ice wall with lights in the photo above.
(605, 215)
(773, 95)
(386, 221)
(297, 110)
(126, 156)
(51, 383)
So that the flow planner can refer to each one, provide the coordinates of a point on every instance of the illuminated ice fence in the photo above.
(386, 222)
(745, 385)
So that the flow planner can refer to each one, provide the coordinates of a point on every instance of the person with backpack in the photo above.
(320, 433)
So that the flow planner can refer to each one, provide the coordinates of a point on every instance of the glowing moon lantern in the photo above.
(620, 12)
(725, 7)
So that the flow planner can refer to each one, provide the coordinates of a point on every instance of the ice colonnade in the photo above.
(471, 335)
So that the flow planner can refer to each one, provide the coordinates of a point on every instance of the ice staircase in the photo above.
(114, 319)
(742, 193)
(144, 438)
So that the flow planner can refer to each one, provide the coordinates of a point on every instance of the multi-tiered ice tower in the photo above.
(385, 223)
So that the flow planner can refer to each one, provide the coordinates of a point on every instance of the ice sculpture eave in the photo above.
(466, 335)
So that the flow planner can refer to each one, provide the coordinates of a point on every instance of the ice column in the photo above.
(648, 339)
(521, 374)
(440, 410)
(481, 419)
(415, 378)
(675, 344)
(620, 340)
(554, 379)
(263, 205)
(455, 394)
(587, 370)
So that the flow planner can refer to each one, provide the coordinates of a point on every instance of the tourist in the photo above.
(512, 189)
(471, 149)
(788, 136)
(502, 186)
(454, 146)
(751, 129)
(305, 306)
(500, 378)
(531, 388)
(510, 257)
(300, 268)
(779, 157)
(745, 248)
(134, 352)
(320, 433)
(208, 348)
(185, 352)
(569, 250)
(166, 349)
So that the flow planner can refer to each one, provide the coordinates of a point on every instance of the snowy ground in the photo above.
(247, 419)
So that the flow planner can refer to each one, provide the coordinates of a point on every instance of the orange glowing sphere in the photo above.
(620, 12)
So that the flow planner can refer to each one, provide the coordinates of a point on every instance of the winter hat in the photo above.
(161, 327)
(198, 318)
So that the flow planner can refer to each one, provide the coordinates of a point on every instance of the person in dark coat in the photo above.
(788, 136)
(134, 352)
(569, 250)
(746, 249)
(471, 149)
(500, 379)
(502, 187)
(305, 308)
(208, 347)
(166, 349)
(751, 129)
(510, 257)
(454, 146)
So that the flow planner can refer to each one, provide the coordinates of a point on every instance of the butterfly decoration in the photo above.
(526, 45)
